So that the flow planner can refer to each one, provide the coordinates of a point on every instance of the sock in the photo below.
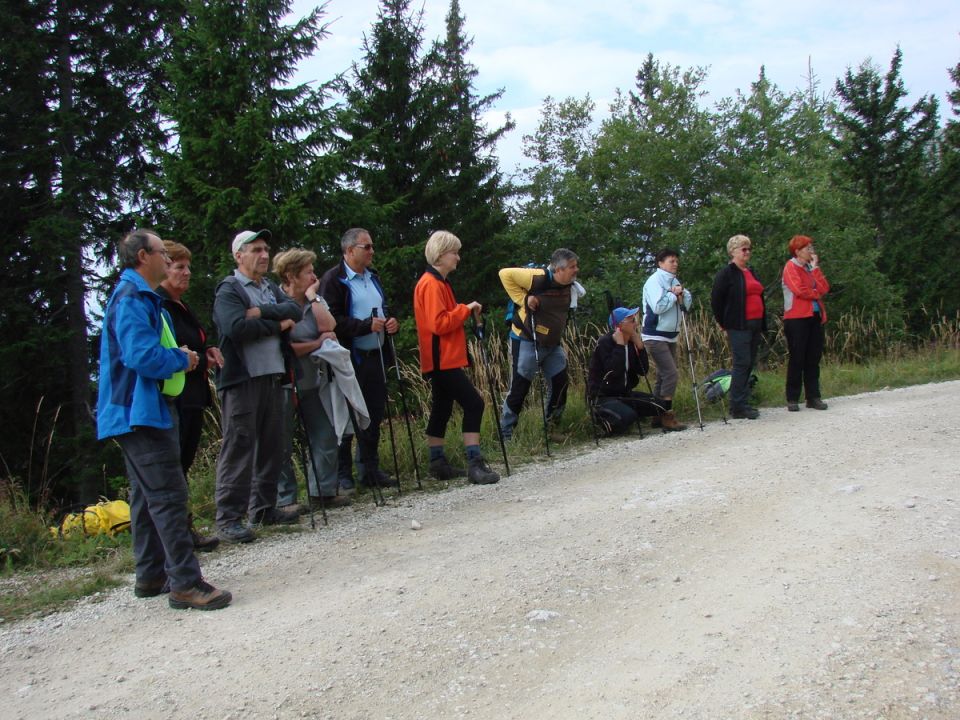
(667, 404)
(473, 451)
(436, 452)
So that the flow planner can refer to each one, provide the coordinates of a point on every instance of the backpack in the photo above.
(107, 516)
(716, 385)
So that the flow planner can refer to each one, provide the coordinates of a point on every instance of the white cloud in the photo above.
(562, 48)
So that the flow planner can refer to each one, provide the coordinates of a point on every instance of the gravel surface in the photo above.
(804, 565)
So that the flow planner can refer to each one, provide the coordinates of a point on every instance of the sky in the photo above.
(570, 48)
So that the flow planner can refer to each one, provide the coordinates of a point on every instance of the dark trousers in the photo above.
(743, 347)
(448, 386)
(620, 413)
(162, 545)
(370, 377)
(805, 343)
(252, 449)
(191, 427)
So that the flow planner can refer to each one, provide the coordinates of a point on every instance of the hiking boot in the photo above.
(276, 516)
(298, 508)
(655, 422)
(151, 588)
(793, 407)
(816, 404)
(744, 413)
(378, 478)
(668, 421)
(479, 473)
(329, 502)
(236, 532)
(202, 596)
(441, 469)
(203, 543)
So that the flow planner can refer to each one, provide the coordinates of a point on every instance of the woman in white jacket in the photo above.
(662, 298)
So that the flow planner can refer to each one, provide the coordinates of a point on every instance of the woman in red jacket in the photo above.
(443, 355)
(803, 318)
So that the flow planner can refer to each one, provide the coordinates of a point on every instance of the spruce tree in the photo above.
(244, 149)
(76, 112)
(886, 150)
(390, 122)
(942, 291)
(468, 189)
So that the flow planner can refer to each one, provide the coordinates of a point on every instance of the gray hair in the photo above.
(737, 242)
(440, 243)
(352, 237)
(561, 258)
(128, 250)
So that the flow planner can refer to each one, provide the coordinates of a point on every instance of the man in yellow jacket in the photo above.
(543, 299)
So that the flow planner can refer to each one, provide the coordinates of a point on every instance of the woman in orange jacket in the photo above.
(443, 355)
(804, 315)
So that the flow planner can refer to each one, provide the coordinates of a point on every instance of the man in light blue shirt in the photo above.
(356, 299)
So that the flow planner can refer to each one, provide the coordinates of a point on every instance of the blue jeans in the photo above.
(553, 361)
(162, 544)
(743, 347)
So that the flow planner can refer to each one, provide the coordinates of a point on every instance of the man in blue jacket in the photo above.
(132, 409)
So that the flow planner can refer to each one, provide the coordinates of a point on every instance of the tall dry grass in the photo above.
(851, 339)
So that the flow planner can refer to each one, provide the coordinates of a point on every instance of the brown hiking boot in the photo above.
(202, 596)
(668, 421)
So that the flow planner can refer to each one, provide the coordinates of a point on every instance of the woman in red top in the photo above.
(443, 355)
(803, 318)
(738, 306)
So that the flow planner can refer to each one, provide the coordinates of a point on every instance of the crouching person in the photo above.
(616, 365)
(139, 365)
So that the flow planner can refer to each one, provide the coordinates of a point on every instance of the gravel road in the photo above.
(804, 565)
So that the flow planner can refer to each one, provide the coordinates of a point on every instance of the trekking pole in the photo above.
(386, 390)
(543, 382)
(478, 331)
(375, 487)
(693, 375)
(406, 411)
(306, 452)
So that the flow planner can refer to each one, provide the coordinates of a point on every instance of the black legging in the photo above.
(449, 386)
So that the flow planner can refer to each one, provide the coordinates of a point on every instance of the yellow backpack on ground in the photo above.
(106, 517)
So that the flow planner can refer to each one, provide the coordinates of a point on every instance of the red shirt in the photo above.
(754, 296)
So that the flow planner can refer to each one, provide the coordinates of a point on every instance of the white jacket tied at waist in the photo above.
(340, 390)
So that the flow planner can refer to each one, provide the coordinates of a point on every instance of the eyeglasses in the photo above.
(368, 246)
(161, 251)
(746, 249)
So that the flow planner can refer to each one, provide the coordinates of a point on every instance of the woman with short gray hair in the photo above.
(738, 306)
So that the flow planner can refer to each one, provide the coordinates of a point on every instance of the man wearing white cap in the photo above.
(250, 313)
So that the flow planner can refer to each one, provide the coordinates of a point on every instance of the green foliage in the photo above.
(885, 151)
(243, 149)
(76, 112)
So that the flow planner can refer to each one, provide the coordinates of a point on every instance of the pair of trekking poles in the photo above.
(611, 304)
(375, 488)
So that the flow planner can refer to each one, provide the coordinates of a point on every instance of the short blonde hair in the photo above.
(177, 252)
(290, 263)
(737, 242)
(440, 243)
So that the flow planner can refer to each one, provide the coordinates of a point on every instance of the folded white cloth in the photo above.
(339, 387)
